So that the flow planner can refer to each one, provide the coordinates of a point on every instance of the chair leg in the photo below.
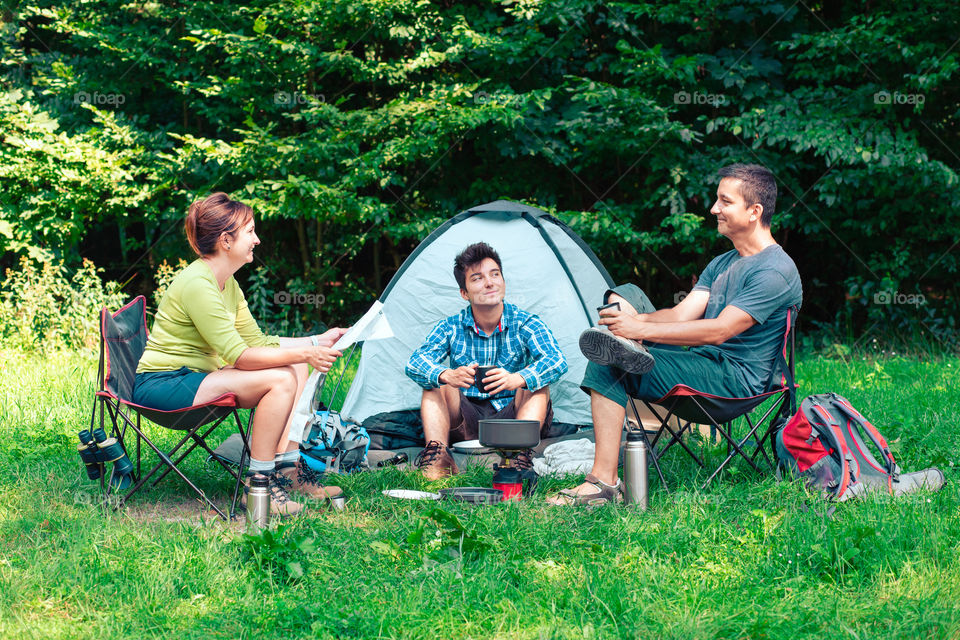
(164, 460)
(106, 482)
(760, 450)
(771, 432)
(139, 438)
(200, 440)
(197, 440)
(656, 460)
(737, 446)
(244, 456)
(675, 436)
(734, 447)
(653, 452)
(101, 466)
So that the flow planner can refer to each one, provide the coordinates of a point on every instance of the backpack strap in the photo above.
(786, 372)
(879, 441)
(835, 433)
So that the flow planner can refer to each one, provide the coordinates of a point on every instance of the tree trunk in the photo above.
(302, 240)
(317, 246)
(377, 278)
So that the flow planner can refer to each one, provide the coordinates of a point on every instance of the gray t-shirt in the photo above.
(765, 285)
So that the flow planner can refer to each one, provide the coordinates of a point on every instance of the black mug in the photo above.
(482, 372)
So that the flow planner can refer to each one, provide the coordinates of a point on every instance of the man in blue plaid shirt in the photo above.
(524, 355)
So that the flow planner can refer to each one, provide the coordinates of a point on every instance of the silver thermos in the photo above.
(635, 469)
(258, 503)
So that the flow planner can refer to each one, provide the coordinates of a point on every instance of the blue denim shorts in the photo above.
(167, 390)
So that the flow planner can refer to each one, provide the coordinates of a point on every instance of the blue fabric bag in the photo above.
(334, 445)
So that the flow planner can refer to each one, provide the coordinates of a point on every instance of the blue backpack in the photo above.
(334, 445)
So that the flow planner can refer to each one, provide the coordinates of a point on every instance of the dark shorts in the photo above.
(167, 390)
(705, 369)
(473, 410)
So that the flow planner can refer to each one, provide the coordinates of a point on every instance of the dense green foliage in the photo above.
(45, 309)
(748, 558)
(355, 126)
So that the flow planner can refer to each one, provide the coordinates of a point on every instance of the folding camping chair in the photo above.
(123, 338)
(693, 407)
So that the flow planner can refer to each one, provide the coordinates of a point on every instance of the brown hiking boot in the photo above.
(435, 461)
(280, 502)
(306, 481)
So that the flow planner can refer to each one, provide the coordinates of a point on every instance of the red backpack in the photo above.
(824, 443)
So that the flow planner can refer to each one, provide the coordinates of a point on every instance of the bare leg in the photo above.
(625, 306)
(532, 405)
(607, 429)
(439, 409)
(271, 391)
(608, 417)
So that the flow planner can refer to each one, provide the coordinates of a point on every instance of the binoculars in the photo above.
(96, 449)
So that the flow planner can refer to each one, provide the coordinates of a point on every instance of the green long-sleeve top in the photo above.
(197, 325)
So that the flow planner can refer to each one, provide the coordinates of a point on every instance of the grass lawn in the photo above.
(748, 558)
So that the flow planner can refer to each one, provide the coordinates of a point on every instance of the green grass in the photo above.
(747, 558)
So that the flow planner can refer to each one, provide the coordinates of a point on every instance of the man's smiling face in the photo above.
(484, 285)
(732, 212)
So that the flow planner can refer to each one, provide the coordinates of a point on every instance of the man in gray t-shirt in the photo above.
(733, 323)
(764, 285)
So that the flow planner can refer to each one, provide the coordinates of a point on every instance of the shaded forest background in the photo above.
(355, 127)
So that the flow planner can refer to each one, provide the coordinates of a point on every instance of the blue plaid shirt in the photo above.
(522, 344)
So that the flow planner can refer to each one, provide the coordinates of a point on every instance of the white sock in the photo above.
(287, 456)
(261, 466)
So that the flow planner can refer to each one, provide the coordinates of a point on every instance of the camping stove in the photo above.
(510, 438)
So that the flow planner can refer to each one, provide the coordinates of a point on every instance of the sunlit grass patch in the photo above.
(747, 557)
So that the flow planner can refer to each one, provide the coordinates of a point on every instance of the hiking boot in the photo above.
(600, 345)
(305, 480)
(435, 461)
(280, 502)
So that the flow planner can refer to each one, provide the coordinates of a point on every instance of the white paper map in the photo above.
(372, 326)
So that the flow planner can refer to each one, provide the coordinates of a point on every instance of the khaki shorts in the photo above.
(705, 369)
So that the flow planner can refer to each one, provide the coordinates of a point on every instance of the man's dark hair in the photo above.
(757, 185)
(474, 254)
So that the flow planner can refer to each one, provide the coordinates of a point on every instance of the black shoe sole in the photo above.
(604, 348)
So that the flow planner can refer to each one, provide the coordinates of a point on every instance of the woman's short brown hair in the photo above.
(211, 217)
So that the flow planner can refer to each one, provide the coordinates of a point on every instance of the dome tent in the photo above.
(548, 269)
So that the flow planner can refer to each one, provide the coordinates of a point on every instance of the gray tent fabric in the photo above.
(548, 270)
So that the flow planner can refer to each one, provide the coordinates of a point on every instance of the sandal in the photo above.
(604, 493)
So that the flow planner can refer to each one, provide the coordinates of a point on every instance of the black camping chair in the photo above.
(123, 338)
(695, 407)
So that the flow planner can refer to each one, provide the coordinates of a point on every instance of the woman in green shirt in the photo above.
(203, 319)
